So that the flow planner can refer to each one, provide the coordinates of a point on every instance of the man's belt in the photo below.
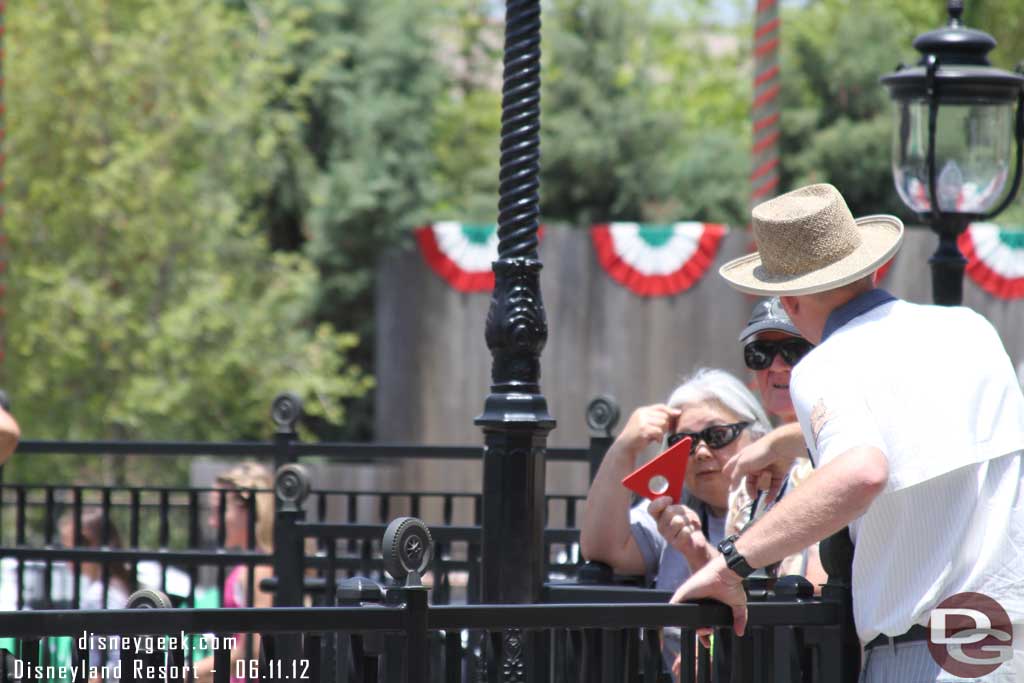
(916, 634)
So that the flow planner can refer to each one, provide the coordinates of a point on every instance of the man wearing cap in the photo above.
(923, 460)
(772, 346)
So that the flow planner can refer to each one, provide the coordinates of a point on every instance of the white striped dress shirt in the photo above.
(934, 390)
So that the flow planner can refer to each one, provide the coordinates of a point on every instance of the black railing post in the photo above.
(285, 411)
(515, 419)
(417, 658)
(602, 416)
(291, 487)
(840, 648)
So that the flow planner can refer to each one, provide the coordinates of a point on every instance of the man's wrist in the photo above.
(734, 558)
(744, 549)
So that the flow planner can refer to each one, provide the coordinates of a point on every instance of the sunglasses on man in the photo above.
(715, 436)
(758, 355)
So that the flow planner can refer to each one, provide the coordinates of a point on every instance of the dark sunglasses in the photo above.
(758, 355)
(715, 436)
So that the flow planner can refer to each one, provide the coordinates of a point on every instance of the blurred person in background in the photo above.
(245, 489)
(97, 594)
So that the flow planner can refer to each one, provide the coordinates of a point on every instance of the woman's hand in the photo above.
(681, 527)
(605, 534)
(647, 425)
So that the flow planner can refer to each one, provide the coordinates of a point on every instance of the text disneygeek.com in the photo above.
(115, 646)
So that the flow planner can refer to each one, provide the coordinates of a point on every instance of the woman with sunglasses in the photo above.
(721, 416)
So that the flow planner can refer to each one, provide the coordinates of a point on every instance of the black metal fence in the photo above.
(392, 632)
(170, 547)
(338, 616)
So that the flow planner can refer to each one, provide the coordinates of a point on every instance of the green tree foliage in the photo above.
(143, 297)
(836, 117)
(365, 81)
(1004, 20)
(467, 127)
(193, 186)
(626, 103)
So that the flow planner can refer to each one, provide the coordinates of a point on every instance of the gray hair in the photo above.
(712, 384)
(719, 386)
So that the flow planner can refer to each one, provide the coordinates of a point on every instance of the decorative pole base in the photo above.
(948, 266)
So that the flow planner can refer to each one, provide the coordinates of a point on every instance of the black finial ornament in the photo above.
(956, 11)
(285, 411)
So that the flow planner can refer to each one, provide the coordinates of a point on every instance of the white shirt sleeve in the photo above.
(834, 415)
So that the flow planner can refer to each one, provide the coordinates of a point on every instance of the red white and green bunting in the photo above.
(657, 259)
(462, 253)
(995, 259)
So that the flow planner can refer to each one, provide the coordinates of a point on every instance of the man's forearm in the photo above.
(832, 497)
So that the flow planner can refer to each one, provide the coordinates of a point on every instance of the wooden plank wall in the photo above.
(433, 367)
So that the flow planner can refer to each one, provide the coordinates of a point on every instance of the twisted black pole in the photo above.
(515, 420)
(519, 204)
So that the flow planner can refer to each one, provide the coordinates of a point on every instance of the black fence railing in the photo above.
(392, 632)
(331, 563)
(169, 545)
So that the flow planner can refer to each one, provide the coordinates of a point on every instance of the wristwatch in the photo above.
(733, 559)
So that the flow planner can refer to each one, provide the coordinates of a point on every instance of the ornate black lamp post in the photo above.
(952, 147)
(515, 420)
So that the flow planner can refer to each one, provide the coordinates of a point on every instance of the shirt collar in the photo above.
(858, 305)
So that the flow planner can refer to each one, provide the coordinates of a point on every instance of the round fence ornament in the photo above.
(147, 598)
(292, 484)
(603, 414)
(285, 411)
(407, 547)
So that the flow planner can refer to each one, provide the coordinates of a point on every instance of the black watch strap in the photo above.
(733, 559)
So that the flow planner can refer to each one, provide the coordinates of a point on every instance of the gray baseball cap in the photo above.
(768, 314)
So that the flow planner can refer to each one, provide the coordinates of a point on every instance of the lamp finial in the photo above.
(956, 10)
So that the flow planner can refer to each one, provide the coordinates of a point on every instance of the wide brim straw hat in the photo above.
(808, 242)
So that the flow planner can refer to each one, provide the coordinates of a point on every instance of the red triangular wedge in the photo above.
(671, 465)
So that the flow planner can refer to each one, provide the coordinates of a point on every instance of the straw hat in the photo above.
(808, 241)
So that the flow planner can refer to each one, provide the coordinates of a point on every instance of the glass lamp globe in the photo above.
(955, 105)
(973, 155)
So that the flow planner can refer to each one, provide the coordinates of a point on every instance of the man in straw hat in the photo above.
(915, 420)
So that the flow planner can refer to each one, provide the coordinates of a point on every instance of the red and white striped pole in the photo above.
(764, 178)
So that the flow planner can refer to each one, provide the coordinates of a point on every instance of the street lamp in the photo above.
(955, 127)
